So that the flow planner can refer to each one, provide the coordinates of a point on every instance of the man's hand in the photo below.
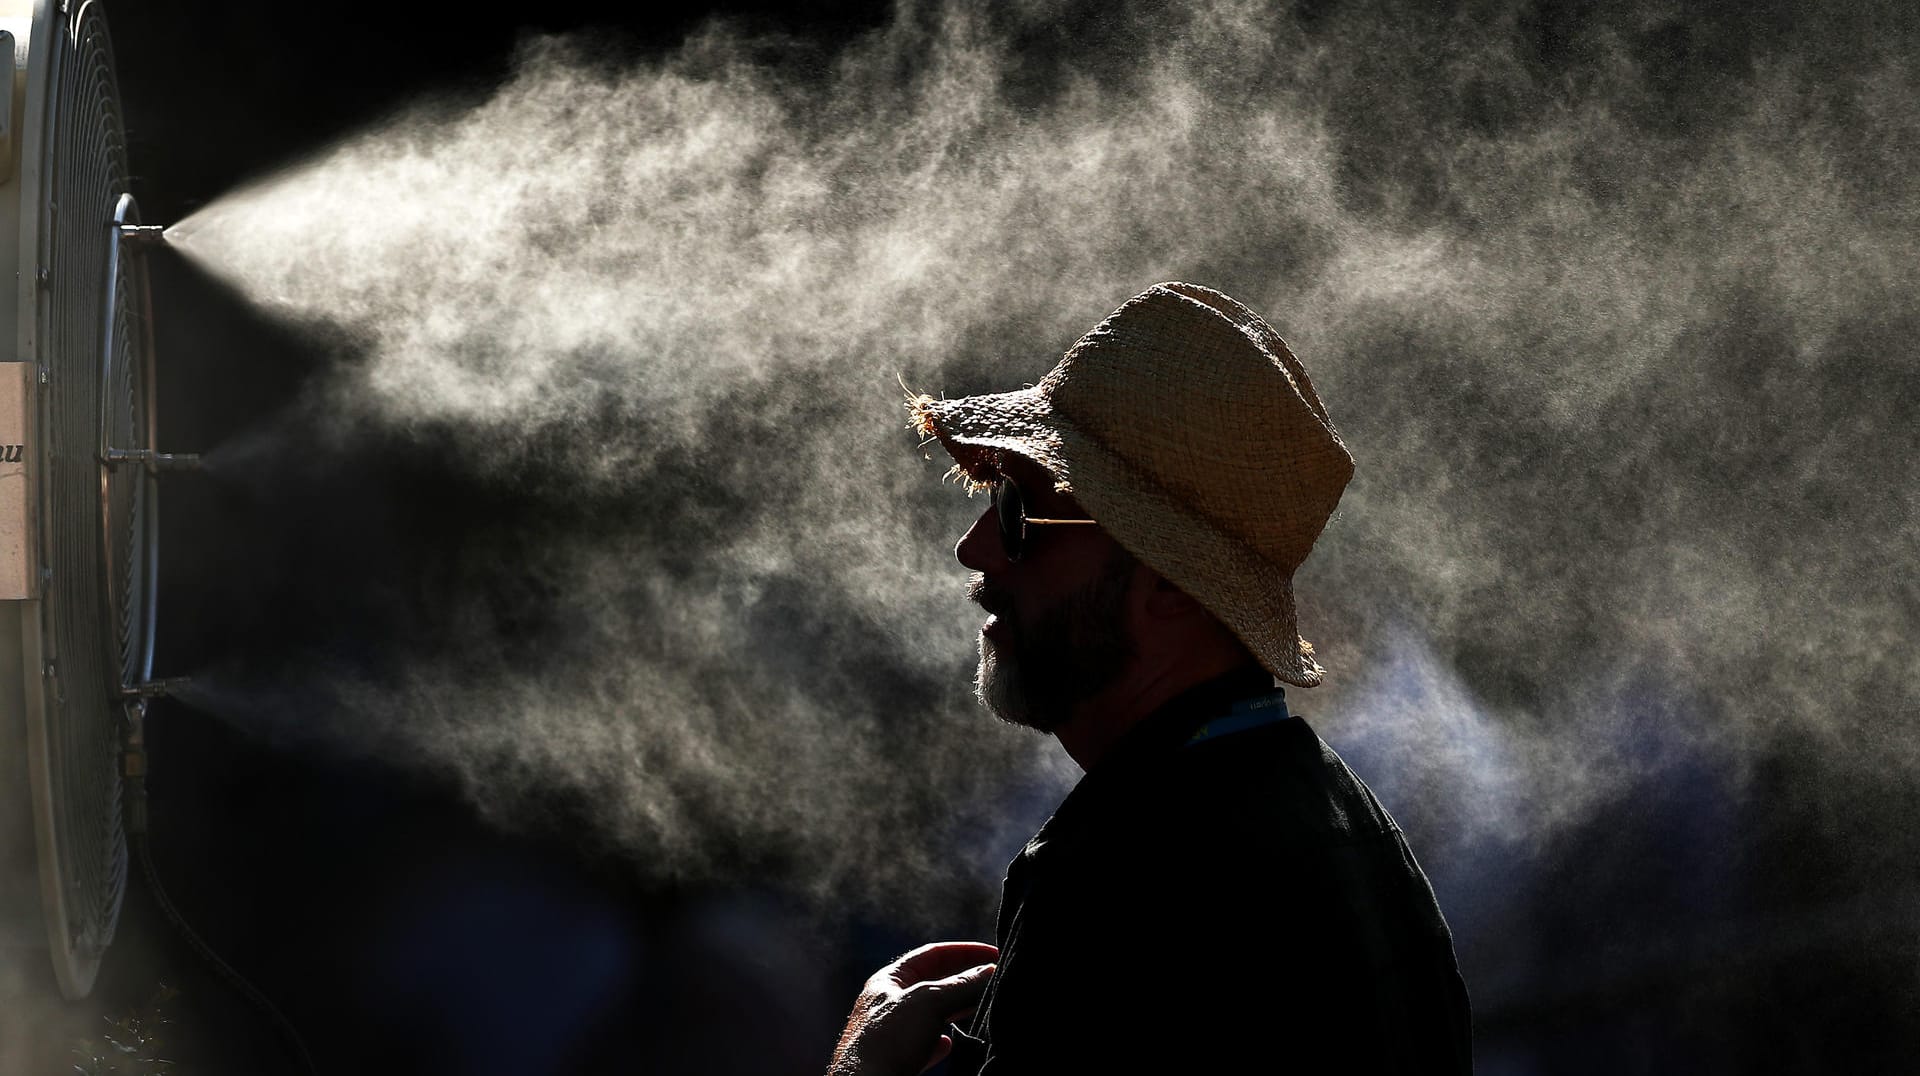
(896, 1023)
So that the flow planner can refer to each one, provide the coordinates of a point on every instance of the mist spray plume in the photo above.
(1622, 347)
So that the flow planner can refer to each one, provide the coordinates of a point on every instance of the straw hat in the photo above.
(1188, 429)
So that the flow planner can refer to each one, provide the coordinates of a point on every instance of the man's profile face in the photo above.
(1058, 630)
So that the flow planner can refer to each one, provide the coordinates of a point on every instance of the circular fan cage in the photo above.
(85, 325)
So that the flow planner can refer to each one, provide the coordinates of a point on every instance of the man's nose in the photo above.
(980, 548)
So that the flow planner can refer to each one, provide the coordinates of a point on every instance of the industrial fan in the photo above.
(78, 473)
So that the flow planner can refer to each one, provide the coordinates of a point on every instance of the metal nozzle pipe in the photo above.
(143, 233)
(153, 689)
(133, 766)
(159, 461)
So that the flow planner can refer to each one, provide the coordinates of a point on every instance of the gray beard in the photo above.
(1070, 653)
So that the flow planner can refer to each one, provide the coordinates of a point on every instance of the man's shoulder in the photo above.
(1273, 798)
(1283, 777)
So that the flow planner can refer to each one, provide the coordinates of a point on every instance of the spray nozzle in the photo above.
(145, 234)
(158, 461)
(152, 689)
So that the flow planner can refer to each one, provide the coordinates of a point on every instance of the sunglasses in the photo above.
(1010, 507)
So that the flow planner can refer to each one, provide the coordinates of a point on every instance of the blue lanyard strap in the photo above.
(1246, 714)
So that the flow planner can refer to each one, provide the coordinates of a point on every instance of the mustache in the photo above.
(990, 596)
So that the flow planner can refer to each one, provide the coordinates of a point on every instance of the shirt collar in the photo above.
(1170, 726)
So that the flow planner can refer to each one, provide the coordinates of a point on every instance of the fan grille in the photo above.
(95, 574)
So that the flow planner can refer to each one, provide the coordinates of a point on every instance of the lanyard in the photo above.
(1246, 714)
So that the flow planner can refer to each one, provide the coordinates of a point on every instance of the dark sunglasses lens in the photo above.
(1012, 513)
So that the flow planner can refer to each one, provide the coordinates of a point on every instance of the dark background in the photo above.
(1683, 932)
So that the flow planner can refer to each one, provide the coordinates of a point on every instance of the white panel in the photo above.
(16, 535)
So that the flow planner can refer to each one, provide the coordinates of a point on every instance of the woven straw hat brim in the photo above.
(1249, 593)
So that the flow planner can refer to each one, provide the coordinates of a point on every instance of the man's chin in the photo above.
(997, 685)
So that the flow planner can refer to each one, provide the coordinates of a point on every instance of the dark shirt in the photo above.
(1235, 900)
